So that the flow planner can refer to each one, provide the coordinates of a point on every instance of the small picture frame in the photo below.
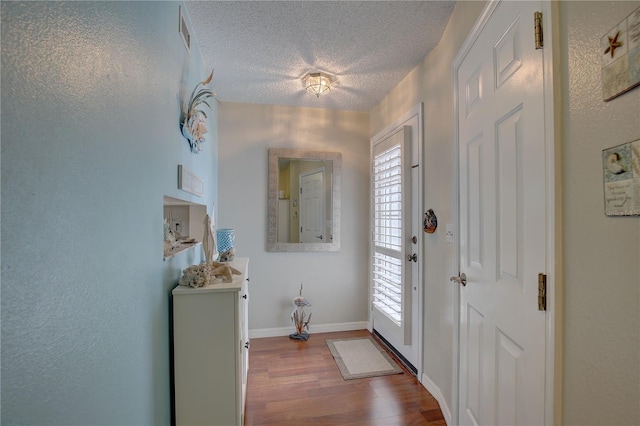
(183, 29)
(190, 182)
(621, 172)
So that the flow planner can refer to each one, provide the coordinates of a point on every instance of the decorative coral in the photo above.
(193, 125)
(298, 317)
(207, 273)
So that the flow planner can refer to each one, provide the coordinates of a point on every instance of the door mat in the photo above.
(361, 357)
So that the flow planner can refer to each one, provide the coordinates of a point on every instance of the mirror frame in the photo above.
(272, 200)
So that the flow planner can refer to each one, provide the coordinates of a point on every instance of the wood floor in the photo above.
(292, 382)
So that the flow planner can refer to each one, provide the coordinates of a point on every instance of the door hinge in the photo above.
(537, 24)
(542, 292)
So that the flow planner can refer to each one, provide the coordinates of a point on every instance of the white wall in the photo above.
(431, 82)
(601, 254)
(334, 282)
(91, 96)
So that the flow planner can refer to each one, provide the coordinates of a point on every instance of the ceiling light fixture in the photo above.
(317, 83)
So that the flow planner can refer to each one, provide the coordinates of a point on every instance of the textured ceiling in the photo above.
(261, 49)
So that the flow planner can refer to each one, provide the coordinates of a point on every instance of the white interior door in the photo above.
(503, 225)
(312, 192)
(394, 264)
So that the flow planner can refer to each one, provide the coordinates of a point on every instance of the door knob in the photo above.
(413, 257)
(462, 279)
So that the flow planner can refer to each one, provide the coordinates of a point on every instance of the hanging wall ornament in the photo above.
(430, 222)
(193, 122)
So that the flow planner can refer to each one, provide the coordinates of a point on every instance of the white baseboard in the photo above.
(437, 394)
(319, 328)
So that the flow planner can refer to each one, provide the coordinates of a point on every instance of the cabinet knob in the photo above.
(248, 279)
(247, 344)
(244, 296)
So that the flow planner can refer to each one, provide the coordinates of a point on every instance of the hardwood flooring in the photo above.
(293, 382)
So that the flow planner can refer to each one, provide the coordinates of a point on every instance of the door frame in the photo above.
(553, 258)
(414, 114)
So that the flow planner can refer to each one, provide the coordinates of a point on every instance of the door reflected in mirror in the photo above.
(304, 200)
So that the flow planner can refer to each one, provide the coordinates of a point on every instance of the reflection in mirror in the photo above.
(304, 200)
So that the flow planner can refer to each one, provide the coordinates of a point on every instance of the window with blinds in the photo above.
(387, 233)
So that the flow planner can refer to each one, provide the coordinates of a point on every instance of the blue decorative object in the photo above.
(225, 239)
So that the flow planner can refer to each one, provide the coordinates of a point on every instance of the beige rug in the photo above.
(361, 357)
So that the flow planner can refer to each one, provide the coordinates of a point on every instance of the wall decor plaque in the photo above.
(620, 49)
(621, 171)
(189, 181)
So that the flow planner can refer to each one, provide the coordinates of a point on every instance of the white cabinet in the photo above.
(211, 351)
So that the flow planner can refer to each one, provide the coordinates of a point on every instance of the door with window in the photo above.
(394, 260)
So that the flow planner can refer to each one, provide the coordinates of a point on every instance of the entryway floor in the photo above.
(297, 382)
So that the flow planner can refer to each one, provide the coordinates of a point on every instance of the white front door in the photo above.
(395, 291)
(503, 222)
(312, 194)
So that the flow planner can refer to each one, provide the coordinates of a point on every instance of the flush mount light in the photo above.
(317, 83)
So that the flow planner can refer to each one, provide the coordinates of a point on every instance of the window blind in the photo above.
(387, 233)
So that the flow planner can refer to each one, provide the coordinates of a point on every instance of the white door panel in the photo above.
(502, 222)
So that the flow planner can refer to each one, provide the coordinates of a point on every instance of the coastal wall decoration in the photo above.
(194, 119)
(190, 182)
(430, 222)
(621, 172)
(620, 49)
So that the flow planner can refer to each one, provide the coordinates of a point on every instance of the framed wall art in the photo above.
(190, 182)
(620, 49)
(621, 171)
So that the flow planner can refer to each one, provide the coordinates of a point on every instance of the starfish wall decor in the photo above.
(620, 56)
(613, 44)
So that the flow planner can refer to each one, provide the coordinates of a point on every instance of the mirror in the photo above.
(304, 200)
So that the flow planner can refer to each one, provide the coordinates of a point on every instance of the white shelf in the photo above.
(180, 248)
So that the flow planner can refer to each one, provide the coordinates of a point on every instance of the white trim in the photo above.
(435, 391)
(550, 18)
(418, 112)
(319, 328)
